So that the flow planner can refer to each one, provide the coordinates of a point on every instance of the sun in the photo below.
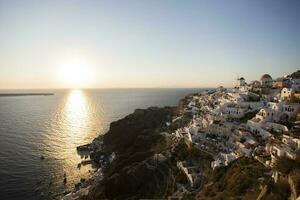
(75, 73)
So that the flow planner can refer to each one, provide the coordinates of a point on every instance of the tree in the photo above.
(285, 165)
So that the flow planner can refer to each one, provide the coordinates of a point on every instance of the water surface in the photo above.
(53, 126)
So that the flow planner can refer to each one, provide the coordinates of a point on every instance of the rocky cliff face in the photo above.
(150, 178)
(137, 128)
(146, 156)
(242, 179)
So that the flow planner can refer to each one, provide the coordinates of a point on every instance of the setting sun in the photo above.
(75, 73)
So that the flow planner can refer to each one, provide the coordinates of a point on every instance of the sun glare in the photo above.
(76, 73)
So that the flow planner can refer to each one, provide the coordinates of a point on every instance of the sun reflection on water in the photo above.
(71, 126)
(76, 115)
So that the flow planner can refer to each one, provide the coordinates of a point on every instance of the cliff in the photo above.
(146, 156)
(242, 179)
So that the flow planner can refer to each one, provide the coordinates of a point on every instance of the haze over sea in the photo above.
(53, 126)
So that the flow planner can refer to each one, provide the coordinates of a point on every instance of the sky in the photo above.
(145, 43)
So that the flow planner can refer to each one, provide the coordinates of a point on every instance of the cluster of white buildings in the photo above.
(258, 119)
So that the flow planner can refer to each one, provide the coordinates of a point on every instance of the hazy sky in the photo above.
(153, 43)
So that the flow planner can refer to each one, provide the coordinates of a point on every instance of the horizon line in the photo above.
(91, 88)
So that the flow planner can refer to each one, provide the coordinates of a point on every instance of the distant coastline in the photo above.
(24, 94)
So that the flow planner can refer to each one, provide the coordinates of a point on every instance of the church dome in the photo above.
(266, 77)
(296, 75)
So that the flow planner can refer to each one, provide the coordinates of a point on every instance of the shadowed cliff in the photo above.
(146, 156)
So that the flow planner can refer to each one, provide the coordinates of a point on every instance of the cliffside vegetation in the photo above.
(242, 179)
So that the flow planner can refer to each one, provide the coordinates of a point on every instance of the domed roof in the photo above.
(295, 75)
(266, 77)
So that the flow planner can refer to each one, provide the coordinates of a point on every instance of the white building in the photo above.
(254, 105)
(278, 149)
(221, 128)
(241, 82)
(273, 105)
(266, 114)
(255, 126)
(296, 85)
(275, 127)
(289, 110)
(233, 111)
(294, 143)
(286, 93)
(242, 150)
(241, 85)
(223, 159)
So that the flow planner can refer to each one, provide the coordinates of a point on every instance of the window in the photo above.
(284, 140)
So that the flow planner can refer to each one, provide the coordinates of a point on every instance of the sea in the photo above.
(39, 135)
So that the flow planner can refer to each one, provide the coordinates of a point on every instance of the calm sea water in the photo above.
(53, 126)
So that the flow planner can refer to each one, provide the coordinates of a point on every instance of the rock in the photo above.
(77, 185)
(238, 180)
(86, 147)
(152, 178)
(183, 148)
(82, 180)
(143, 165)
(86, 162)
(66, 192)
(65, 180)
(42, 158)
(42, 194)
